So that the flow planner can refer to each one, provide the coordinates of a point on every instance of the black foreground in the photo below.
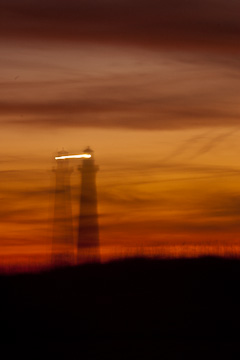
(168, 309)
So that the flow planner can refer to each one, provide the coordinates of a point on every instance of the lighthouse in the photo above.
(88, 230)
(62, 245)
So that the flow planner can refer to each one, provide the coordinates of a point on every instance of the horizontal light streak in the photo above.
(82, 156)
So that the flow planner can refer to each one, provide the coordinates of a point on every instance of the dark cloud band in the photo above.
(209, 24)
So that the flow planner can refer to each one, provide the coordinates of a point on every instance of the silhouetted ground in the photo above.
(169, 309)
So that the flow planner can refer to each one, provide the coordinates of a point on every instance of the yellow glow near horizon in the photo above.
(82, 156)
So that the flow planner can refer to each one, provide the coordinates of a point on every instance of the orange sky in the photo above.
(160, 108)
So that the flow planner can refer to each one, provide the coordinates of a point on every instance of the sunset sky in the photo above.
(153, 87)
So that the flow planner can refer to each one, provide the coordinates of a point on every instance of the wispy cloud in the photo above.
(213, 142)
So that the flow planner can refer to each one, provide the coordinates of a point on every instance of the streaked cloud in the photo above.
(152, 86)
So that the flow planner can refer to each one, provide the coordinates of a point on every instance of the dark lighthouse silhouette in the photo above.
(88, 230)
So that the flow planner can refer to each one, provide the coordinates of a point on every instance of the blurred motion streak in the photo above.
(82, 156)
(63, 244)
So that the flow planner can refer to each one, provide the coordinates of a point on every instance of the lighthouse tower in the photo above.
(88, 231)
(62, 245)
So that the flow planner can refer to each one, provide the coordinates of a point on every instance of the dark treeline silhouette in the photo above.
(145, 308)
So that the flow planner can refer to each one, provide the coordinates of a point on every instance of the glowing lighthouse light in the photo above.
(82, 156)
